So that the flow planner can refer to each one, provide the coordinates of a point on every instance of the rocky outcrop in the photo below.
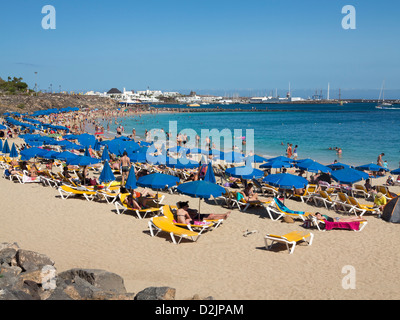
(28, 275)
(29, 103)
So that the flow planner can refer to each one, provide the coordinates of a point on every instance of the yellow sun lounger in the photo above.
(124, 207)
(158, 224)
(363, 208)
(110, 197)
(290, 239)
(167, 212)
(67, 191)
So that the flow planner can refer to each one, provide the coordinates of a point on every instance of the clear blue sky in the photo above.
(187, 44)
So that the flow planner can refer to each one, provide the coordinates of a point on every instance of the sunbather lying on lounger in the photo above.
(33, 172)
(187, 215)
(132, 203)
(249, 194)
(320, 216)
(145, 198)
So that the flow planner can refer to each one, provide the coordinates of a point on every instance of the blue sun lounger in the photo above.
(279, 210)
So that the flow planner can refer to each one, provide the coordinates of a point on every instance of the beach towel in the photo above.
(355, 225)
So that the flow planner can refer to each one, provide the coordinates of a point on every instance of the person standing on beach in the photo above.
(125, 164)
(295, 152)
(289, 151)
(379, 161)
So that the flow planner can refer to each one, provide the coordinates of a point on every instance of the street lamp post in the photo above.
(36, 82)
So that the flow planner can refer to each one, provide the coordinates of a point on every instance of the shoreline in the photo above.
(331, 154)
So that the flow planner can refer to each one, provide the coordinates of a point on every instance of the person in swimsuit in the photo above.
(295, 152)
(187, 216)
(249, 194)
(379, 161)
(131, 202)
(320, 216)
(125, 163)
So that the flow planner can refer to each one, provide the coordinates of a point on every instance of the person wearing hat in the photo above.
(187, 216)
(380, 201)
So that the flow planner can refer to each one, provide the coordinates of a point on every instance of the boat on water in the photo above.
(193, 105)
(383, 104)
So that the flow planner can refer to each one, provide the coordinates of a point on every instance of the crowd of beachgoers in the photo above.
(315, 197)
(70, 125)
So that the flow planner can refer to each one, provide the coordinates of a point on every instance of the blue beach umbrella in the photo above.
(371, 167)
(286, 181)
(1, 145)
(2, 127)
(216, 153)
(338, 166)
(157, 181)
(6, 147)
(82, 161)
(96, 146)
(179, 149)
(397, 171)
(14, 152)
(281, 158)
(106, 174)
(131, 181)
(233, 157)
(244, 172)
(86, 139)
(138, 157)
(276, 164)
(349, 175)
(198, 151)
(210, 176)
(256, 159)
(70, 137)
(65, 155)
(105, 155)
(50, 154)
(313, 166)
(201, 189)
(33, 152)
(118, 146)
(181, 163)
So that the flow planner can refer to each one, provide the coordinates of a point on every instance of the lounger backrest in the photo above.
(360, 187)
(167, 212)
(343, 197)
(354, 201)
(311, 188)
(382, 189)
(324, 195)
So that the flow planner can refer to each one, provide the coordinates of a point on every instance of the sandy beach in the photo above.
(222, 263)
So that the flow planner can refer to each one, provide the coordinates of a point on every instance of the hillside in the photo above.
(29, 102)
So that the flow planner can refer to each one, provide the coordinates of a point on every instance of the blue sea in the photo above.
(359, 129)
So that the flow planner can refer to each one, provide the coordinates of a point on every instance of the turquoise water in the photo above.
(360, 130)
